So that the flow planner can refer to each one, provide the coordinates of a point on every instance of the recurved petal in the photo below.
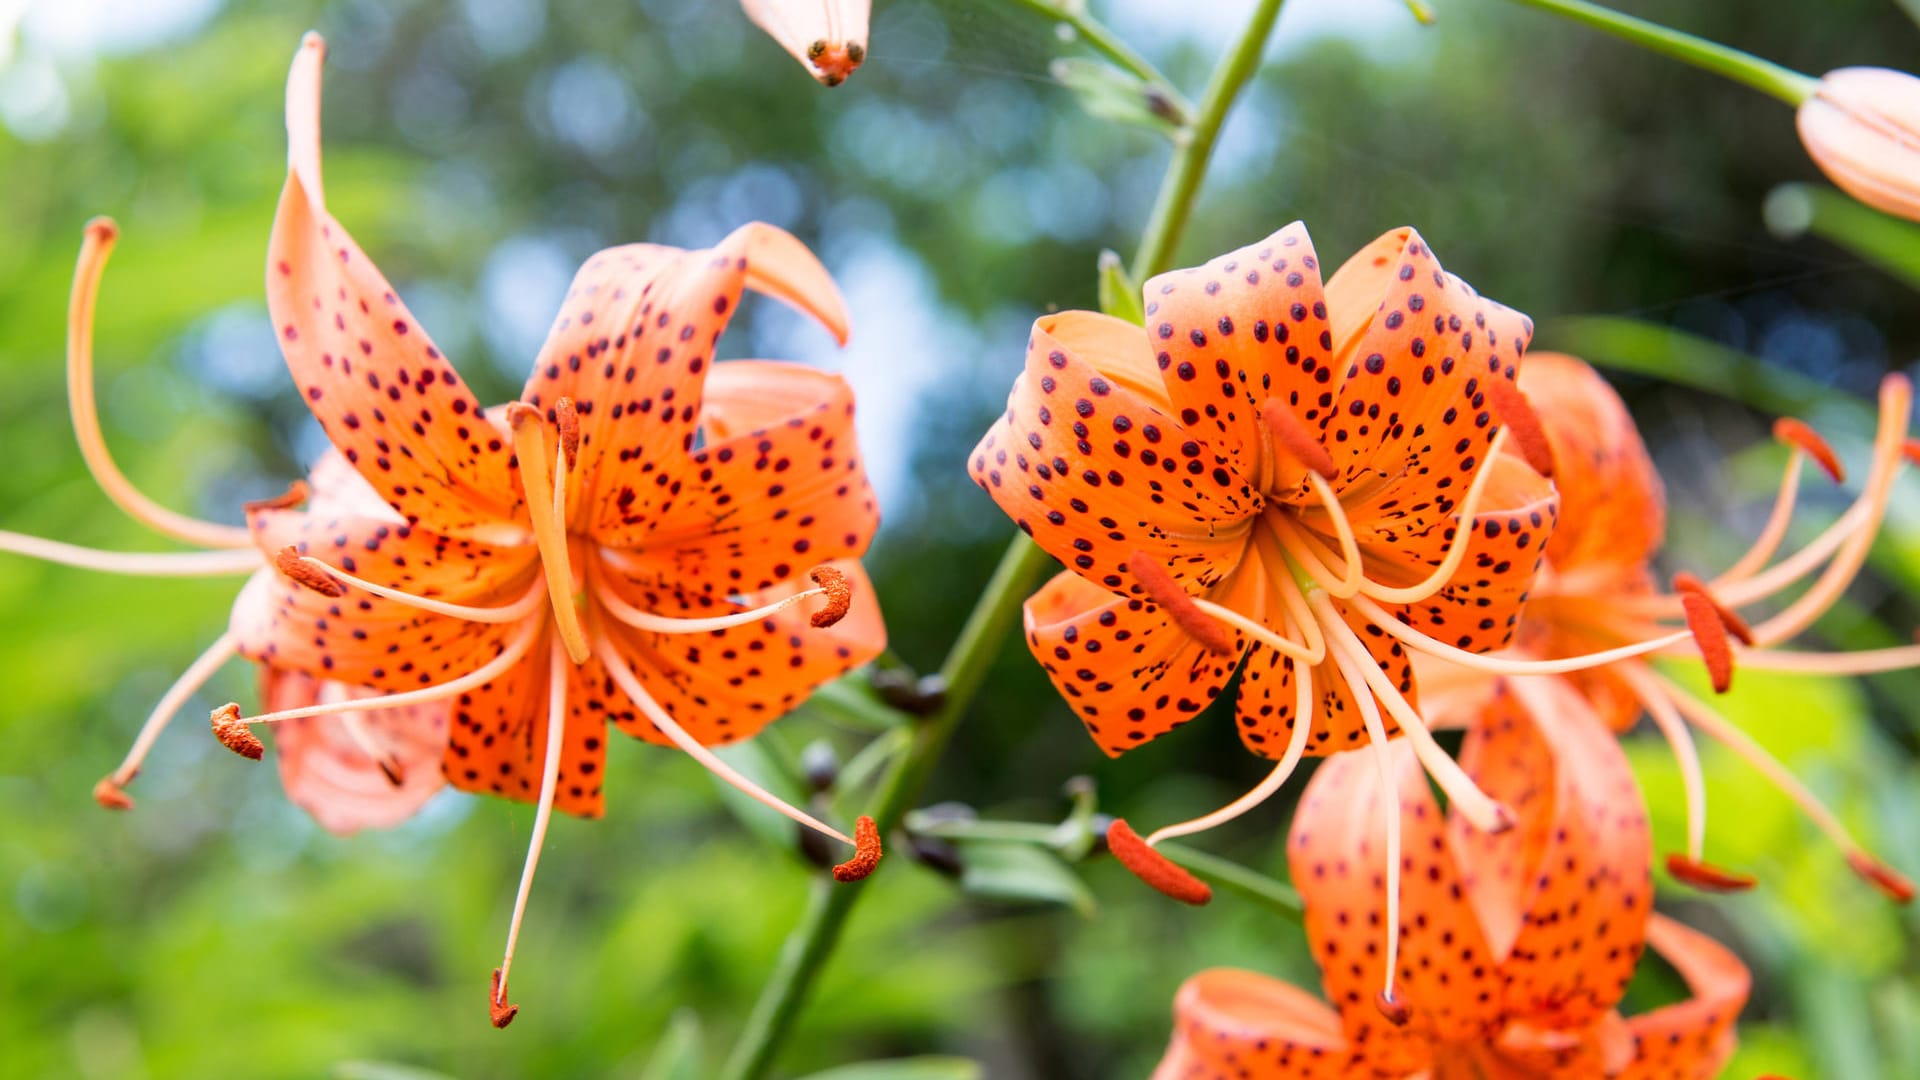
(1337, 854)
(828, 37)
(332, 774)
(386, 397)
(1693, 1039)
(497, 741)
(1613, 508)
(1237, 1025)
(1247, 326)
(778, 487)
(1564, 895)
(1127, 671)
(1094, 470)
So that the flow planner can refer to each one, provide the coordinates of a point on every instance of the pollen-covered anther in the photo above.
(1394, 1010)
(1522, 424)
(839, 595)
(1910, 450)
(297, 493)
(1896, 885)
(109, 794)
(1797, 433)
(1169, 597)
(1707, 877)
(235, 735)
(567, 420)
(866, 852)
(1710, 637)
(1154, 868)
(1687, 584)
(497, 1005)
(817, 50)
(294, 567)
(1295, 439)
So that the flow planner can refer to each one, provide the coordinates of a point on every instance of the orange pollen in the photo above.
(567, 419)
(1154, 868)
(1707, 877)
(1796, 432)
(839, 596)
(1687, 584)
(295, 494)
(289, 563)
(1884, 877)
(1911, 451)
(866, 852)
(502, 1012)
(1295, 439)
(1710, 637)
(1167, 594)
(1396, 1012)
(1522, 423)
(111, 795)
(235, 735)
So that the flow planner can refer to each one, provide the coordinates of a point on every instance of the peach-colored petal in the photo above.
(1862, 127)
(1693, 1039)
(1236, 1025)
(828, 37)
(327, 770)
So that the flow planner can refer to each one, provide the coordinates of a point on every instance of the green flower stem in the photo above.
(1765, 76)
(1103, 41)
(829, 903)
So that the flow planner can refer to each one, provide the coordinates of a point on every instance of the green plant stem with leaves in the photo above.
(1765, 76)
(829, 903)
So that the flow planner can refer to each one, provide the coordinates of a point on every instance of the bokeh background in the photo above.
(481, 148)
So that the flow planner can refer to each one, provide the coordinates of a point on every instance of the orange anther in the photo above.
(235, 735)
(839, 595)
(866, 852)
(1154, 868)
(1706, 876)
(110, 794)
(1295, 439)
(297, 570)
(1522, 424)
(296, 493)
(567, 419)
(1710, 637)
(1167, 594)
(497, 1006)
(1885, 878)
(1395, 1011)
(1686, 583)
(1797, 433)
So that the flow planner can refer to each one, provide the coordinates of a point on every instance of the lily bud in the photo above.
(1862, 127)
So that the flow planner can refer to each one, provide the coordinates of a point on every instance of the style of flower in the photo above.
(1598, 591)
(1861, 125)
(1308, 479)
(828, 37)
(1516, 947)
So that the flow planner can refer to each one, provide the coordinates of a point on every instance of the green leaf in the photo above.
(931, 1067)
(677, 1057)
(1108, 93)
(1013, 871)
(1119, 296)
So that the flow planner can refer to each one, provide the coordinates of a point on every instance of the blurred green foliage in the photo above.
(479, 148)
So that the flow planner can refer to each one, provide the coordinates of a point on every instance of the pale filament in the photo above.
(1289, 761)
(176, 697)
(624, 677)
(1769, 581)
(1255, 629)
(1389, 804)
(514, 612)
(1501, 665)
(94, 249)
(543, 490)
(516, 649)
(1866, 662)
(1775, 529)
(1303, 550)
(1353, 571)
(1274, 561)
(1674, 727)
(543, 810)
(1462, 535)
(1480, 809)
(667, 624)
(220, 563)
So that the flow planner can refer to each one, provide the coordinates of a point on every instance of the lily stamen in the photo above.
(1457, 550)
(223, 562)
(1265, 789)
(1187, 612)
(830, 584)
(545, 494)
(1390, 792)
(1693, 868)
(290, 562)
(110, 792)
(1503, 665)
(557, 674)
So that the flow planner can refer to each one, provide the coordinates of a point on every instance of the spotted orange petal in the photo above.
(1564, 895)
(1693, 1039)
(1337, 854)
(1093, 469)
(1337, 724)
(1237, 1025)
(385, 396)
(1247, 326)
(1613, 506)
(778, 487)
(327, 771)
(496, 743)
(1128, 672)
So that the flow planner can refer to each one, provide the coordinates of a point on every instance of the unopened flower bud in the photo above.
(1862, 127)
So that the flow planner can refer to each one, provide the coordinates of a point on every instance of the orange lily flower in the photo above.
(828, 37)
(1516, 948)
(1308, 479)
(629, 543)
(1597, 591)
(1862, 127)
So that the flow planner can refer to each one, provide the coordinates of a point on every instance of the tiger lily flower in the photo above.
(1598, 591)
(1517, 946)
(631, 542)
(828, 37)
(1306, 479)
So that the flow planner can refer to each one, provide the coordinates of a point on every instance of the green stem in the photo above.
(1103, 41)
(1765, 76)
(829, 903)
(1189, 164)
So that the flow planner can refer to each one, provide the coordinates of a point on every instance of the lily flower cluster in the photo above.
(1363, 499)
(645, 540)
